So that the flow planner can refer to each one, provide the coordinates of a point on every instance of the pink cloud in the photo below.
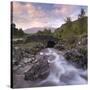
(28, 15)
(17, 8)
(64, 10)
(29, 9)
(34, 16)
(34, 12)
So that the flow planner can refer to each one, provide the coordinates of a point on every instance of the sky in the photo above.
(28, 15)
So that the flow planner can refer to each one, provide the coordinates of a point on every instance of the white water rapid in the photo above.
(61, 72)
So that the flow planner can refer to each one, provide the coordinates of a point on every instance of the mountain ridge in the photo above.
(36, 29)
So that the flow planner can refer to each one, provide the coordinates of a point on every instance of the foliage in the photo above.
(16, 32)
(44, 32)
(82, 13)
(76, 28)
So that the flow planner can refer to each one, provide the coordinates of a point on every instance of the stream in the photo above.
(61, 72)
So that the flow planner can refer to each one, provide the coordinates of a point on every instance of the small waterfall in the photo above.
(61, 72)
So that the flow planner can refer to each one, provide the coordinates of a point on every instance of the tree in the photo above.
(15, 31)
(13, 26)
(82, 13)
(44, 32)
(20, 32)
(68, 19)
(81, 20)
(39, 32)
(69, 23)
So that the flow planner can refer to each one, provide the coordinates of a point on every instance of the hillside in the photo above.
(74, 28)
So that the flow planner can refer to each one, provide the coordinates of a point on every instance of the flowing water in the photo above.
(61, 72)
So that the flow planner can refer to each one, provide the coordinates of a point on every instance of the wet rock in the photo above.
(77, 57)
(17, 55)
(39, 71)
(60, 47)
(21, 54)
(27, 60)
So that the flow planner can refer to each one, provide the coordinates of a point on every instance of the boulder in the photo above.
(17, 55)
(60, 47)
(78, 57)
(39, 71)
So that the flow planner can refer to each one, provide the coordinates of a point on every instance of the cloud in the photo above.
(28, 14)
(64, 10)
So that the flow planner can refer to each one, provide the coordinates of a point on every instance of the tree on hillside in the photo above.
(82, 13)
(68, 19)
(47, 31)
(39, 32)
(44, 32)
(13, 26)
(69, 23)
(15, 31)
(20, 32)
(81, 20)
